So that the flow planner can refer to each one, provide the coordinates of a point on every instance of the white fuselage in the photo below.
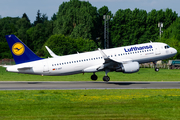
(77, 63)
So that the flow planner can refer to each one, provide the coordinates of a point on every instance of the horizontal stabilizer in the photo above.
(6, 66)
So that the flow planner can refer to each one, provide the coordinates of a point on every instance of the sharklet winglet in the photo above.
(51, 52)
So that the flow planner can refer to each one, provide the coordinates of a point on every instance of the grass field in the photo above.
(161, 104)
(90, 104)
(145, 74)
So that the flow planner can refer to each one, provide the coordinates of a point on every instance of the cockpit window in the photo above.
(167, 46)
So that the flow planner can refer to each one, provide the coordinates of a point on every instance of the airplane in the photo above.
(121, 59)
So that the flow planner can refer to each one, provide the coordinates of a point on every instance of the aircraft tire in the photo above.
(106, 78)
(94, 77)
(157, 69)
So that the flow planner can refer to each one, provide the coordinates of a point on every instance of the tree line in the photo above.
(79, 26)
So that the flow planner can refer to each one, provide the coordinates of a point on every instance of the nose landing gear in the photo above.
(156, 69)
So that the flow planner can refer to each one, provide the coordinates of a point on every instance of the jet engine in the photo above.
(130, 67)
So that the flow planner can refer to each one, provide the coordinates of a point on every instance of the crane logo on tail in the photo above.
(18, 49)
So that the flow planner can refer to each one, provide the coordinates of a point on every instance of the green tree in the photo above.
(76, 18)
(39, 34)
(171, 36)
(44, 18)
(121, 28)
(22, 26)
(38, 18)
(54, 17)
(8, 26)
(169, 16)
(26, 17)
(138, 28)
(5, 51)
(63, 45)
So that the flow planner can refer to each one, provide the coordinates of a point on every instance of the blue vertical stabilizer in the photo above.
(21, 53)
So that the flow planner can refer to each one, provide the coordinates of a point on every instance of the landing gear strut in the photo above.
(156, 69)
(106, 78)
(94, 77)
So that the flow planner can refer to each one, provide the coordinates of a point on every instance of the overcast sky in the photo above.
(15, 8)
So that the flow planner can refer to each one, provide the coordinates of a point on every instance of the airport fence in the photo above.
(151, 65)
(7, 62)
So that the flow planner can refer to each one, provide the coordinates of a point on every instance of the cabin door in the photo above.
(157, 50)
(45, 67)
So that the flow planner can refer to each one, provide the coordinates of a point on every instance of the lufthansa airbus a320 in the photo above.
(121, 59)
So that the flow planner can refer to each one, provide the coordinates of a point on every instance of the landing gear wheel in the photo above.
(106, 78)
(94, 77)
(157, 69)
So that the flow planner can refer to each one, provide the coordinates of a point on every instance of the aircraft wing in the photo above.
(51, 52)
(109, 62)
(107, 59)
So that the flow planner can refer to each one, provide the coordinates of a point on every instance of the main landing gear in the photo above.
(106, 78)
(156, 69)
(94, 77)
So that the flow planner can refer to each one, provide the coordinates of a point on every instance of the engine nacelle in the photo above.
(130, 67)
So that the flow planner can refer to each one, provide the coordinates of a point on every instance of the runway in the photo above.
(86, 85)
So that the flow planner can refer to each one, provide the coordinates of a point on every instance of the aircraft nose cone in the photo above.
(175, 51)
